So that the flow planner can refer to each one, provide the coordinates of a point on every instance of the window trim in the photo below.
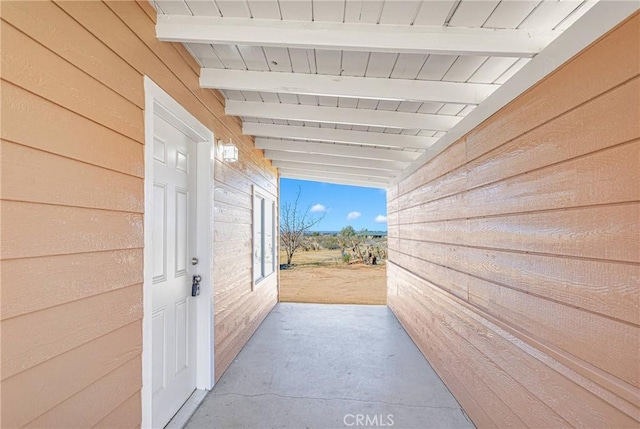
(260, 194)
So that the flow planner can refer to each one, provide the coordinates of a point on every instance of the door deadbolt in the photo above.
(195, 285)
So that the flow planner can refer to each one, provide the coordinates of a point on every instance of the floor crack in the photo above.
(333, 399)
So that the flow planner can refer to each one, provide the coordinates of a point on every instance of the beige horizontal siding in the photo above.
(515, 253)
(72, 156)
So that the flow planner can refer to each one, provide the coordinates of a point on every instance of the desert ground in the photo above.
(321, 277)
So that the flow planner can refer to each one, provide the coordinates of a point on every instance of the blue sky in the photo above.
(341, 205)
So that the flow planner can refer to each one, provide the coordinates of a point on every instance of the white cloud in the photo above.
(318, 208)
(381, 219)
(353, 215)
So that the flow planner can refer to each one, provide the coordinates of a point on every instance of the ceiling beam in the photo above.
(405, 39)
(346, 86)
(353, 171)
(350, 182)
(596, 22)
(276, 155)
(341, 115)
(336, 149)
(317, 174)
(337, 136)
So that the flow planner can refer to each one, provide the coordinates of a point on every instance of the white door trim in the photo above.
(157, 101)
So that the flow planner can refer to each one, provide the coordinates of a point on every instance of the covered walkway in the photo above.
(330, 366)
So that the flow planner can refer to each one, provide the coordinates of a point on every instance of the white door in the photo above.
(174, 243)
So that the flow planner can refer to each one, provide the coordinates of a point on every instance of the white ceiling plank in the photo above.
(369, 104)
(363, 11)
(269, 97)
(338, 136)
(430, 107)
(333, 180)
(278, 59)
(253, 57)
(354, 63)
(436, 66)
(231, 94)
(319, 175)
(177, 7)
(381, 64)
(392, 131)
(296, 10)
(347, 102)
(549, 14)
(335, 160)
(388, 105)
(251, 96)
(233, 8)
(205, 55)
(333, 169)
(336, 150)
(288, 98)
(451, 109)
(308, 100)
(379, 130)
(329, 62)
(408, 66)
(347, 86)
(510, 14)
(473, 13)
(512, 70)
(352, 37)
(203, 7)
(264, 9)
(303, 60)
(575, 15)
(344, 127)
(409, 107)
(466, 110)
(399, 12)
(230, 57)
(434, 12)
(328, 101)
(326, 125)
(492, 69)
(463, 69)
(328, 10)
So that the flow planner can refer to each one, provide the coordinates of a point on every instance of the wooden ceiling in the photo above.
(355, 91)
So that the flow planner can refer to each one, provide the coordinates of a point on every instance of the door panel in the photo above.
(174, 244)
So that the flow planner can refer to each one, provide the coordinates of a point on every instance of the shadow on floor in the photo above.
(330, 366)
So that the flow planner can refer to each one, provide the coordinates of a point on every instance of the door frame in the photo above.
(157, 101)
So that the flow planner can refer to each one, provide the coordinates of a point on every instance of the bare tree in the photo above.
(293, 224)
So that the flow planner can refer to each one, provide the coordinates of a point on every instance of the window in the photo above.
(264, 227)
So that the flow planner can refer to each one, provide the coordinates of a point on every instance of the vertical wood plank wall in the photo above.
(72, 140)
(514, 254)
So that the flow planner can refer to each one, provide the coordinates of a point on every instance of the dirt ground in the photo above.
(321, 277)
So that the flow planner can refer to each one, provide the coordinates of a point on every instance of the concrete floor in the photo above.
(330, 366)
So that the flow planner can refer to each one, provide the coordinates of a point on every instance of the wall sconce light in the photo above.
(228, 151)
